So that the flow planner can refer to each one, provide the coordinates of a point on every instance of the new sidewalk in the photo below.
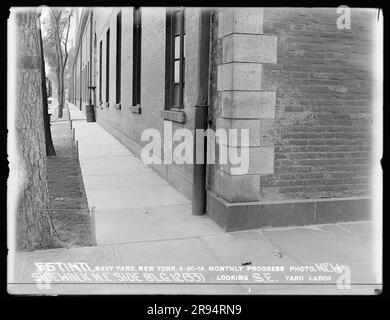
(141, 221)
(131, 201)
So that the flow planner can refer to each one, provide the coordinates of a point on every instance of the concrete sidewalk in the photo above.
(143, 223)
(132, 202)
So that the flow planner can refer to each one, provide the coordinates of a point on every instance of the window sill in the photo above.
(118, 106)
(136, 109)
(174, 115)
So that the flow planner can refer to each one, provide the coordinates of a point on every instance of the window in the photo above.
(87, 85)
(136, 56)
(175, 34)
(74, 84)
(100, 70)
(80, 82)
(82, 85)
(118, 56)
(107, 65)
(85, 82)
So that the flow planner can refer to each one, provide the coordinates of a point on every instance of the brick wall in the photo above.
(123, 123)
(82, 59)
(323, 80)
(319, 129)
(307, 101)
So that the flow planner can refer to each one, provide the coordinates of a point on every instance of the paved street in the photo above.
(143, 221)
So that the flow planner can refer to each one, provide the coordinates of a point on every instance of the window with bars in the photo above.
(136, 56)
(175, 59)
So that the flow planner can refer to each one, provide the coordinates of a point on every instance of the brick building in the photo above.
(301, 85)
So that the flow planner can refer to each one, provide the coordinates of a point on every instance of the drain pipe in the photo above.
(201, 114)
(90, 57)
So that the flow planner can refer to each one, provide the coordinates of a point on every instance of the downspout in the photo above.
(90, 61)
(81, 75)
(201, 114)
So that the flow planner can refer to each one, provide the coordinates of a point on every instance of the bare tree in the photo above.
(56, 48)
(34, 226)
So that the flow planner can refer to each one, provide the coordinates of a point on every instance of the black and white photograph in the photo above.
(157, 150)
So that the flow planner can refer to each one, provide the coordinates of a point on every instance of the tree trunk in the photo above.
(46, 119)
(60, 79)
(61, 94)
(34, 225)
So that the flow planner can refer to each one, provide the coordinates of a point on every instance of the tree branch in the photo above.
(66, 39)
